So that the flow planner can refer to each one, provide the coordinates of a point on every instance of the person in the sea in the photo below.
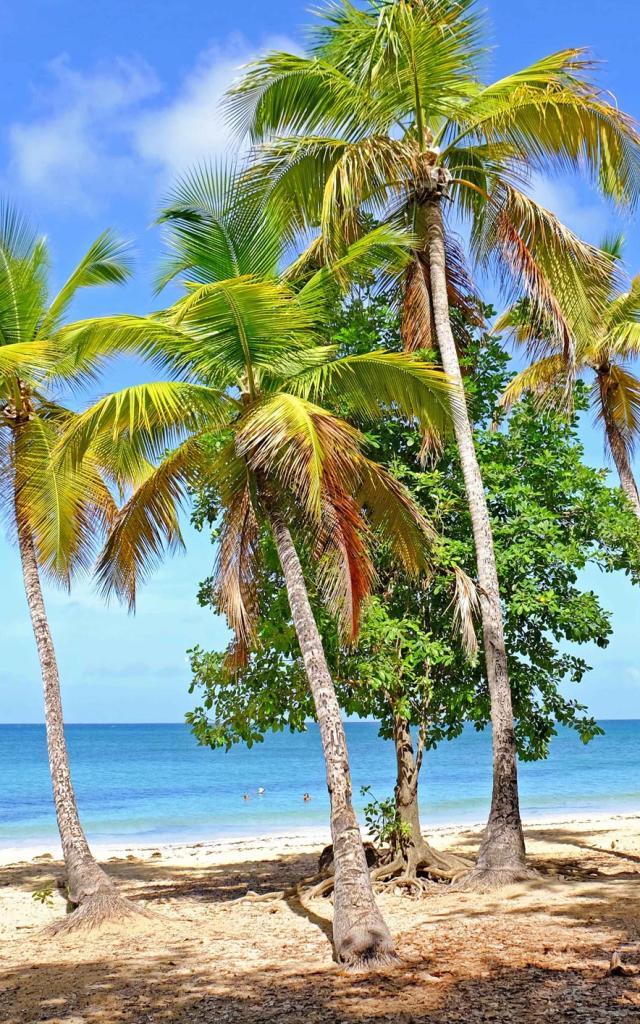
(260, 790)
(306, 798)
(246, 797)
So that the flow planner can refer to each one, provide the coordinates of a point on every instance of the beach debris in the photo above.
(616, 967)
(44, 895)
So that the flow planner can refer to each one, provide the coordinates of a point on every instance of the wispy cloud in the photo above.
(193, 125)
(76, 147)
(576, 206)
(114, 129)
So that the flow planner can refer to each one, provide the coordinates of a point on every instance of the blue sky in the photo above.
(103, 104)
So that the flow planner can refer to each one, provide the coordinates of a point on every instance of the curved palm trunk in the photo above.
(618, 448)
(89, 888)
(501, 857)
(415, 853)
(359, 931)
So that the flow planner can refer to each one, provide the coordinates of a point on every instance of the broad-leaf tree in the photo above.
(603, 347)
(251, 378)
(388, 113)
(553, 516)
(57, 516)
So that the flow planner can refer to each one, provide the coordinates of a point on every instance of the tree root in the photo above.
(489, 879)
(100, 908)
(418, 874)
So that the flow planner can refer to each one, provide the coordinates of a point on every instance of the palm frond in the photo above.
(67, 512)
(565, 280)
(153, 417)
(148, 524)
(619, 403)
(107, 261)
(466, 611)
(545, 379)
(374, 385)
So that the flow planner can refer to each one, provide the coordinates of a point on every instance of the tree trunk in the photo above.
(501, 857)
(360, 934)
(415, 853)
(619, 450)
(89, 888)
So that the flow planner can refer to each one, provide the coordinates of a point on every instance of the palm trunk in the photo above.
(618, 448)
(88, 887)
(359, 931)
(501, 857)
(415, 852)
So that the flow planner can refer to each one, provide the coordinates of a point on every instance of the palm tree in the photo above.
(602, 347)
(388, 115)
(243, 414)
(56, 516)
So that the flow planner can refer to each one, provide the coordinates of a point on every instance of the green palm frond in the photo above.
(24, 361)
(377, 383)
(218, 228)
(380, 254)
(544, 378)
(66, 511)
(148, 524)
(285, 94)
(107, 261)
(152, 417)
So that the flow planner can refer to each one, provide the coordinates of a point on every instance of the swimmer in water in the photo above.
(246, 797)
(261, 791)
(306, 798)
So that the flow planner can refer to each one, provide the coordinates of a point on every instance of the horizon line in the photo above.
(308, 721)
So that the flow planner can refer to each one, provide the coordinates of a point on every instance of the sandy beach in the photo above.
(539, 951)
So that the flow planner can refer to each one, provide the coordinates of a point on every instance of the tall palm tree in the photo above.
(388, 114)
(56, 516)
(243, 414)
(602, 348)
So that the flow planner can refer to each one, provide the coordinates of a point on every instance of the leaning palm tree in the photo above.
(388, 115)
(245, 414)
(603, 349)
(57, 516)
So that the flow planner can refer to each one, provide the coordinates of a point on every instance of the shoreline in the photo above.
(272, 845)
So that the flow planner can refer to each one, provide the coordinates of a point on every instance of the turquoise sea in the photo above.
(152, 782)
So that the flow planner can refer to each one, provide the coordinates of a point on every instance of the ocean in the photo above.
(152, 783)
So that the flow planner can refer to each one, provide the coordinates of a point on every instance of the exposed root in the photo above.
(481, 879)
(104, 906)
(317, 890)
(417, 887)
(426, 866)
(281, 894)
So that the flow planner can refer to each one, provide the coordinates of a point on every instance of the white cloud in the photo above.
(107, 131)
(75, 147)
(193, 126)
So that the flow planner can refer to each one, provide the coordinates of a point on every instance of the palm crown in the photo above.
(603, 345)
(389, 104)
(63, 512)
(247, 407)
